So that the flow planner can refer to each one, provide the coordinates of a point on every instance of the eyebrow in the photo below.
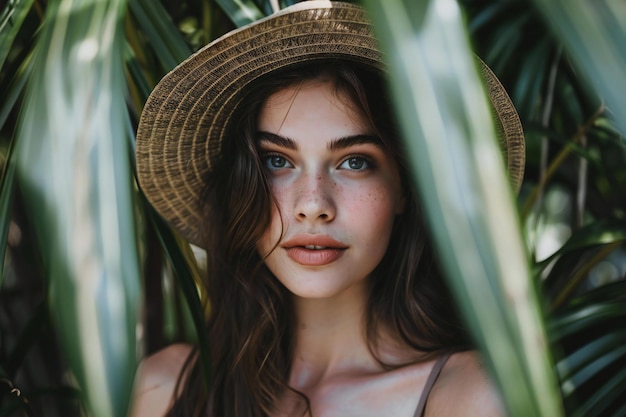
(348, 141)
(334, 145)
(277, 140)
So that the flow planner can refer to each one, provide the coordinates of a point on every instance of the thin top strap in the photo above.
(430, 382)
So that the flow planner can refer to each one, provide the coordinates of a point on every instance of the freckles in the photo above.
(373, 196)
(376, 200)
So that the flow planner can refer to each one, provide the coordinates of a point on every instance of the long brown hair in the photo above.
(252, 316)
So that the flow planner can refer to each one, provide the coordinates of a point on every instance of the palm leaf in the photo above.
(241, 12)
(7, 186)
(11, 20)
(589, 332)
(73, 166)
(169, 45)
(14, 89)
(593, 34)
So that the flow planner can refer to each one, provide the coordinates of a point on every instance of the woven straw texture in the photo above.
(185, 118)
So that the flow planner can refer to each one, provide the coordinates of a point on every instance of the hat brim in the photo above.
(184, 121)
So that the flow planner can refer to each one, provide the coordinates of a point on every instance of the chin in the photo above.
(324, 287)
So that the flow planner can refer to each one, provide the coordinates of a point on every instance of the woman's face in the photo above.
(337, 191)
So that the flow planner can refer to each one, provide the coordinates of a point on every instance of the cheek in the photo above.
(373, 208)
(382, 197)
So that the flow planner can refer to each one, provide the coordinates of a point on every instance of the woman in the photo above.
(273, 148)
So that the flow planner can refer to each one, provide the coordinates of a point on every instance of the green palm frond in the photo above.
(74, 170)
(11, 18)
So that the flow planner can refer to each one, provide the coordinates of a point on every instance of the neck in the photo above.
(330, 338)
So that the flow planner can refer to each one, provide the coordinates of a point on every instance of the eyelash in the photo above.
(369, 162)
(268, 156)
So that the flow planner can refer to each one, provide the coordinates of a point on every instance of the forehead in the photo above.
(311, 105)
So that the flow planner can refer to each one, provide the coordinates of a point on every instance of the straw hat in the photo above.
(185, 118)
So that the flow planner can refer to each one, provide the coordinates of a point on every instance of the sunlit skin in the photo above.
(337, 192)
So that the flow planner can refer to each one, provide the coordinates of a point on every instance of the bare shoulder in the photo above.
(465, 389)
(156, 380)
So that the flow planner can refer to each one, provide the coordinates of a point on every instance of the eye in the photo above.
(274, 162)
(356, 163)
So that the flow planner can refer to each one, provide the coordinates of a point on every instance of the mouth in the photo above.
(315, 247)
(314, 250)
(313, 242)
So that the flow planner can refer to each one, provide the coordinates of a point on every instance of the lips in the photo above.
(313, 250)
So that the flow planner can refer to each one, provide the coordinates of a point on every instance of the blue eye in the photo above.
(276, 162)
(356, 163)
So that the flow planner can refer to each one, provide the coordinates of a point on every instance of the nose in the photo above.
(315, 201)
